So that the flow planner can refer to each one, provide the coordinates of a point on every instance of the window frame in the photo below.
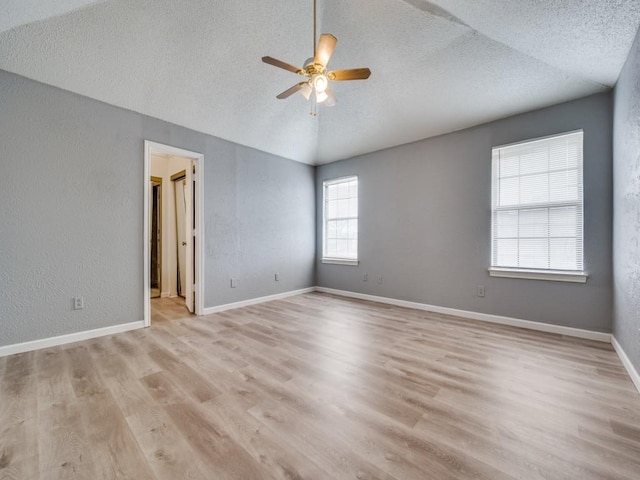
(338, 260)
(577, 276)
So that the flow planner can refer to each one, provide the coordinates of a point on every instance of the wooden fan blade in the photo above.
(331, 98)
(280, 64)
(292, 90)
(351, 74)
(326, 44)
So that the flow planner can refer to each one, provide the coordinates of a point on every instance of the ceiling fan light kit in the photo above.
(316, 87)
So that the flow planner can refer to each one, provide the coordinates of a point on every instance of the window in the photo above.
(340, 214)
(537, 208)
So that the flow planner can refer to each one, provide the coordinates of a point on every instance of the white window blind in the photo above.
(340, 219)
(537, 205)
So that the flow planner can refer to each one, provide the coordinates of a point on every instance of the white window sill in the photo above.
(340, 261)
(551, 275)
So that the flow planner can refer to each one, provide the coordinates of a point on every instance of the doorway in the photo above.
(156, 237)
(174, 225)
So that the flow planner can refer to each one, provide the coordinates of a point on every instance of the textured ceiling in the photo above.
(18, 12)
(436, 66)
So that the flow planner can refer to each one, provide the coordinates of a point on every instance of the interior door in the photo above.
(189, 243)
(185, 222)
(181, 235)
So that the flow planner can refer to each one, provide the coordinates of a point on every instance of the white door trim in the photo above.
(199, 227)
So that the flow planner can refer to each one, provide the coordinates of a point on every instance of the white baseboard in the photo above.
(165, 294)
(125, 327)
(483, 317)
(254, 301)
(631, 370)
(70, 338)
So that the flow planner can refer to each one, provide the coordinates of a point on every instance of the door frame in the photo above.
(198, 158)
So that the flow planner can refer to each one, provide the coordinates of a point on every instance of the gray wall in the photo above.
(71, 216)
(71, 196)
(425, 212)
(626, 207)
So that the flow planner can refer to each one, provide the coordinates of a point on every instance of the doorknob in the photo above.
(184, 244)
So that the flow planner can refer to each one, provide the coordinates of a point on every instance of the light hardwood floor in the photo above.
(320, 387)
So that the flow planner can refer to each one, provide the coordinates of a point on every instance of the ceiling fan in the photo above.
(315, 69)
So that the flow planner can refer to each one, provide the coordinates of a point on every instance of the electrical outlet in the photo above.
(277, 277)
(365, 277)
(234, 283)
(78, 303)
(380, 279)
(480, 291)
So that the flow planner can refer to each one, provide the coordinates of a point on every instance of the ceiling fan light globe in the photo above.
(320, 83)
(306, 91)
(321, 96)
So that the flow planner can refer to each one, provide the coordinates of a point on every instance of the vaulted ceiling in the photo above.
(437, 66)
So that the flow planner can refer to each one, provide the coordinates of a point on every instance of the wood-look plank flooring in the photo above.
(319, 387)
